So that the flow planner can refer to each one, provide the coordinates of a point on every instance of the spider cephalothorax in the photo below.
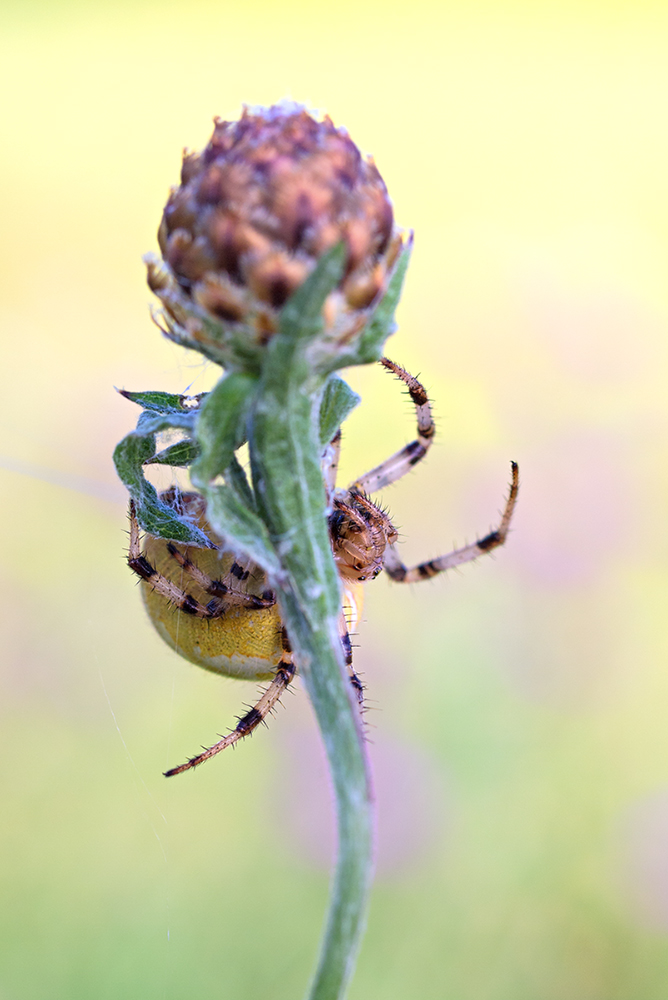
(360, 531)
(217, 609)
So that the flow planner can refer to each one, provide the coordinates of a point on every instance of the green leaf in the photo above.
(286, 368)
(369, 347)
(301, 316)
(156, 517)
(221, 426)
(238, 481)
(372, 341)
(163, 402)
(179, 455)
(221, 430)
(151, 423)
(240, 526)
(135, 451)
(338, 401)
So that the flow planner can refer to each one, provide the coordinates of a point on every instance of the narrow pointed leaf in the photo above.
(241, 527)
(301, 316)
(369, 347)
(338, 400)
(163, 402)
(237, 480)
(221, 426)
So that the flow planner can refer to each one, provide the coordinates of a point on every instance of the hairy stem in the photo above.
(285, 458)
(329, 693)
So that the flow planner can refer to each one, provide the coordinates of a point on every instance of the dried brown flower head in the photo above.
(267, 197)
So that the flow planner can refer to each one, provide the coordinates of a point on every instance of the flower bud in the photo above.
(254, 212)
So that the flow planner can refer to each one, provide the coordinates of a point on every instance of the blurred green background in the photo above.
(520, 706)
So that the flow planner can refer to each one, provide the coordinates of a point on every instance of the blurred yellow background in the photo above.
(521, 733)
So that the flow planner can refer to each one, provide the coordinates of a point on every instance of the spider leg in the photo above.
(140, 565)
(330, 463)
(402, 461)
(398, 572)
(355, 682)
(219, 589)
(285, 671)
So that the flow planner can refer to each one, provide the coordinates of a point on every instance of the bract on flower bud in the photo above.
(254, 212)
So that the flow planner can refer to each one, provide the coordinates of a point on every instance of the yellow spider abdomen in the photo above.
(246, 643)
(243, 642)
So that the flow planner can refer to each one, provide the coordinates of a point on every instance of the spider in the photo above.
(216, 610)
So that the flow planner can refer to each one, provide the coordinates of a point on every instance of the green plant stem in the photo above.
(328, 692)
(285, 459)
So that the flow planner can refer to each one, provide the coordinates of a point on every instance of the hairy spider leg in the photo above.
(395, 568)
(346, 645)
(285, 672)
(222, 594)
(239, 570)
(402, 461)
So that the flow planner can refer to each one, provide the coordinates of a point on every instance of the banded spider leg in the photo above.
(398, 572)
(222, 595)
(285, 672)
